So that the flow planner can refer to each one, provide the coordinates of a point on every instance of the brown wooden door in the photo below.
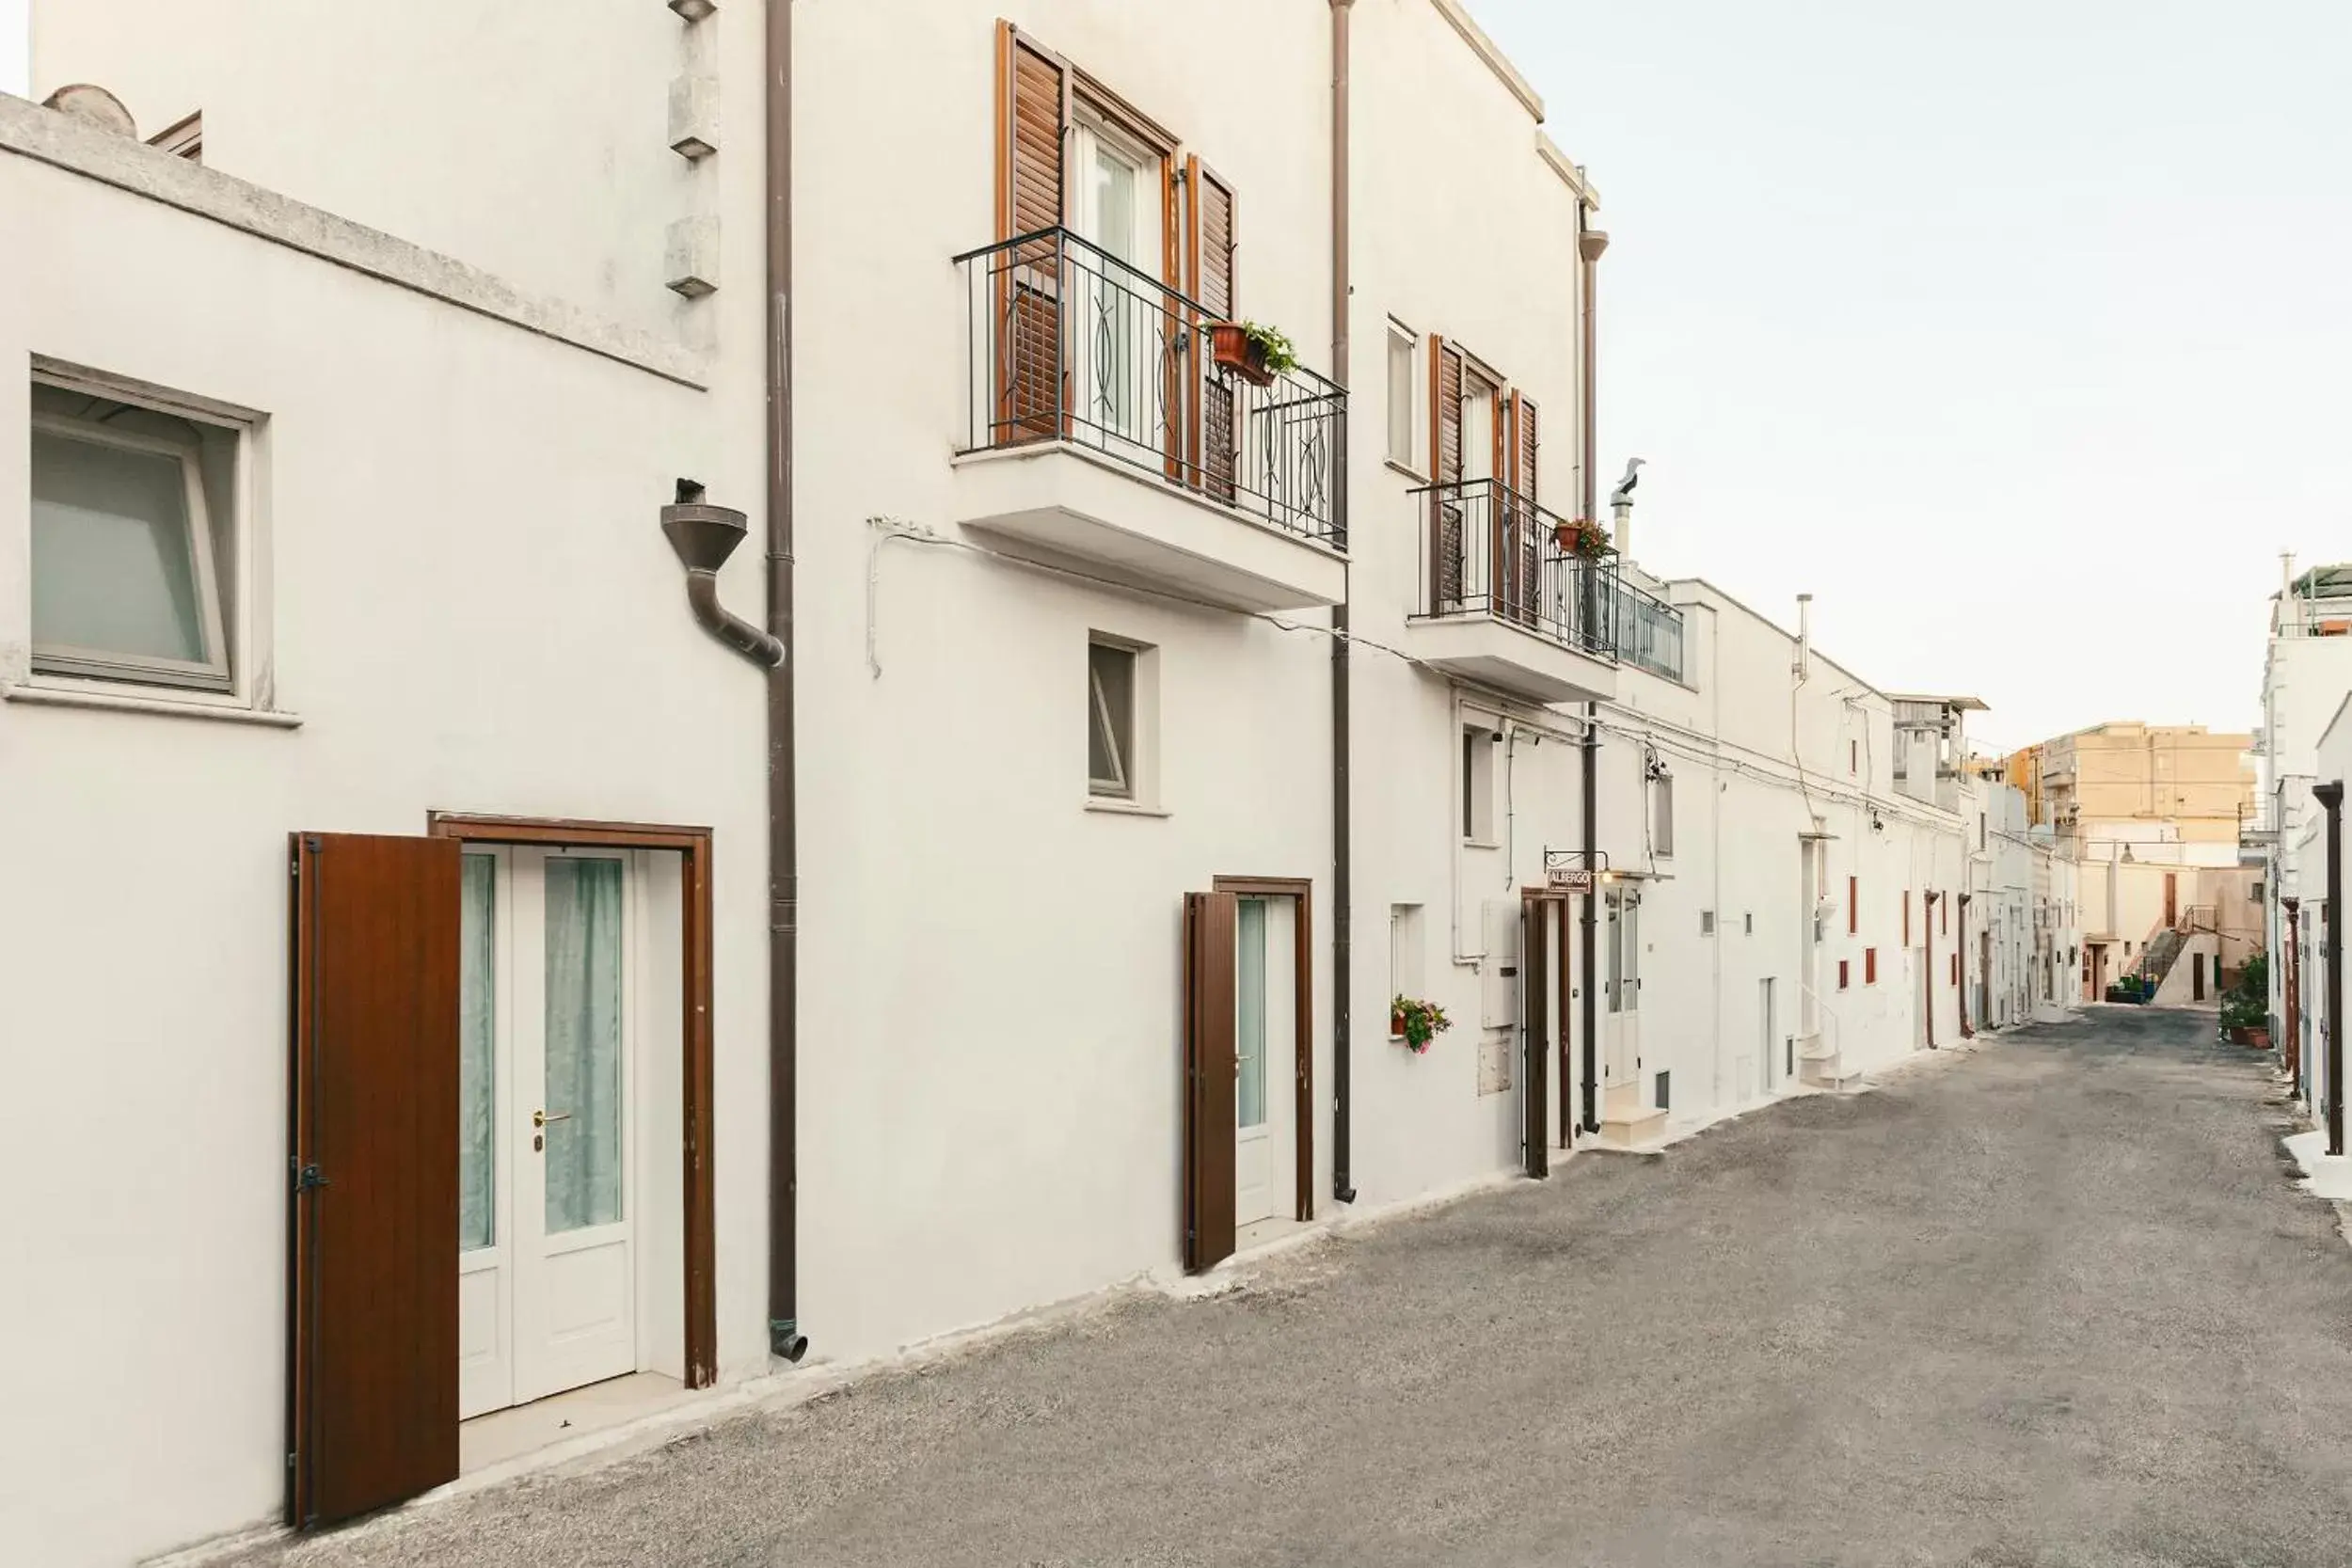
(1536, 1009)
(373, 1243)
(1212, 1060)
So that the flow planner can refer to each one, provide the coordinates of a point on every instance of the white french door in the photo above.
(1264, 1035)
(548, 1241)
(1122, 324)
(1622, 1037)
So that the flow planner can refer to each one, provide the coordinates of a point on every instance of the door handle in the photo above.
(541, 1118)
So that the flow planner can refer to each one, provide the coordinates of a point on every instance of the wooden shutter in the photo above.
(1535, 1005)
(1525, 559)
(1033, 93)
(371, 1391)
(1445, 469)
(1211, 230)
(1212, 1062)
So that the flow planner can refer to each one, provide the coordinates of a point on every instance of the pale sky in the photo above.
(15, 39)
(2019, 332)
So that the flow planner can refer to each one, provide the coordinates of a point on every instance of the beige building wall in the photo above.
(2142, 784)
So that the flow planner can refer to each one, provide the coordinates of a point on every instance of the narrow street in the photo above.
(2053, 1300)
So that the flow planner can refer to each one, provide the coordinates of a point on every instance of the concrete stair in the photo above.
(1820, 1063)
(1625, 1122)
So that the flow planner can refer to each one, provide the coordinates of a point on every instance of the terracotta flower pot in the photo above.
(1396, 1023)
(1235, 350)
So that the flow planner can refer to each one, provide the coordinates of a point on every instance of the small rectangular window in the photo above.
(1906, 917)
(1844, 971)
(133, 540)
(1662, 816)
(1944, 916)
(1853, 906)
(1404, 393)
(1854, 756)
(1478, 784)
(1111, 721)
(1665, 1096)
(1869, 966)
(1405, 950)
(1706, 923)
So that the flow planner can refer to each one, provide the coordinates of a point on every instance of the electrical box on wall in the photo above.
(1498, 976)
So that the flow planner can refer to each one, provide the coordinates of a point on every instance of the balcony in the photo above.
(1501, 603)
(1100, 436)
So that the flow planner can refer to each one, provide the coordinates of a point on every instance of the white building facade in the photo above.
(1148, 725)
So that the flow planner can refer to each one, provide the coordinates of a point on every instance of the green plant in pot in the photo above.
(1417, 1021)
(1584, 540)
(1256, 353)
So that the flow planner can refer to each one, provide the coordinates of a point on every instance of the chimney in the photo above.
(1621, 508)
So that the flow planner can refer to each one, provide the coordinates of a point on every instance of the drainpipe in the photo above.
(785, 1337)
(2290, 987)
(1590, 242)
(1343, 879)
(2330, 796)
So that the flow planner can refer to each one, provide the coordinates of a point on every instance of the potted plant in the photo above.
(1417, 1022)
(1584, 540)
(1256, 353)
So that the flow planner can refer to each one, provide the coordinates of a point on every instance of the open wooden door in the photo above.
(1535, 1014)
(1212, 1060)
(371, 1385)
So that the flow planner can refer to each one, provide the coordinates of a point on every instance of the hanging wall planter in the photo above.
(1256, 353)
(1582, 540)
(1417, 1022)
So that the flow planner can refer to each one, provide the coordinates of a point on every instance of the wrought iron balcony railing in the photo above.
(1486, 550)
(1065, 341)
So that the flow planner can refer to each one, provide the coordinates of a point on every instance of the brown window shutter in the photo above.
(1526, 558)
(1211, 1061)
(1445, 467)
(1210, 234)
(1853, 905)
(1033, 91)
(372, 1397)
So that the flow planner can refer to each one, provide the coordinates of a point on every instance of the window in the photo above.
(1943, 915)
(1661, 816)
(1706, 923)
(1404, 392)
(1853, 905)
(134, 538)
(1750, 919)
(1478, 784)
(1980, 832)
(1854, 756)
(1869, 966)
(1843, 970)
(1116, 721)
(1405, 950)
(1665, 1093)
(1906, 917)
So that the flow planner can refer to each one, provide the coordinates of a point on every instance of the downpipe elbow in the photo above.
(702, 592)
(786, 1341)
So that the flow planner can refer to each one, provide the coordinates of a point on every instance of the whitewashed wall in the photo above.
(472, 608)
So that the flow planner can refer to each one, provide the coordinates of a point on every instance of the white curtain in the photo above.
(583, 1043)
(477, 1053)
(1249, 994)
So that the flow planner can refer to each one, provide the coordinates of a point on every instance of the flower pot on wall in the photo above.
(1396, 1023)
(1232, 346)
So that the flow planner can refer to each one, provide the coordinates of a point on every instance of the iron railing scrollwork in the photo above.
(1065, 341)
(1488, 550)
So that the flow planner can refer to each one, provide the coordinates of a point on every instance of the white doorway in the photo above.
(1265, 1145)
(1621, 1028)
(567, 1078)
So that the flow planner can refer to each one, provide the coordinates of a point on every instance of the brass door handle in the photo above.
(541, 1118)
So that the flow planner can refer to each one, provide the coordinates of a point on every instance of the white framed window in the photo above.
(1404, 393)
(139, 530)
(1123, 722)
(1662, 816)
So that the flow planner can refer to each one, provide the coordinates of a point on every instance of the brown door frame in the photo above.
(692, 845)
(1300, 891)
(1564, 992)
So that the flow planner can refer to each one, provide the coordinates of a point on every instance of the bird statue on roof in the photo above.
(1624, 492)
